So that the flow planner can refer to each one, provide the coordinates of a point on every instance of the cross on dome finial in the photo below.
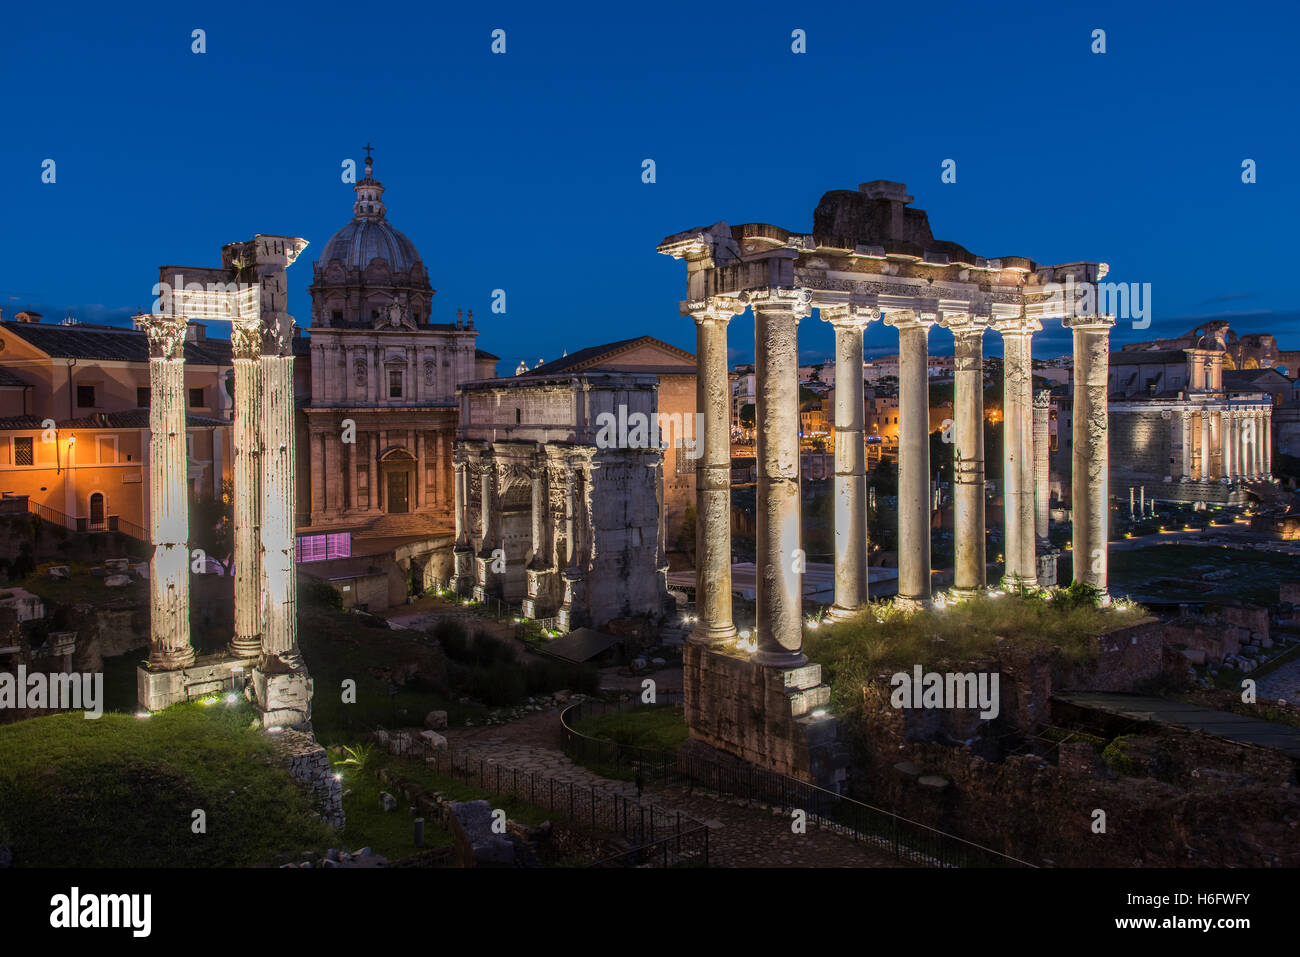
(370, 193)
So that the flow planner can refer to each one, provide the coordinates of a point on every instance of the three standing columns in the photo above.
(851, 543)
(1018, 448)
(779, 555)
(1091, 481)
(913, 456)
(169, 568)
(713, 469)
(970, 563)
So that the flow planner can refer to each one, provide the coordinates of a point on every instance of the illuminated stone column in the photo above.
(779, 557)
(1018, 447)
(278, 500)
(913, 456)
(1224, 426)
(713, 470)
(969, 558)
(462, 555)
(169, 568)
(1090, 480)
(1185, 415)
(1042, 473)
(849, 321)
(246, 350)
(1257, 443)
(1266, 443)
(1205, 445)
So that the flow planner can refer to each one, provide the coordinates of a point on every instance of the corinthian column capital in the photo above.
(166, 335)
(909, 319)
(1096, 323)
(1016, 325)
(855, 312)
(797, 301)
(712, 309)
(246, 338)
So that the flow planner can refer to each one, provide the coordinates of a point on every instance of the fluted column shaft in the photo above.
(713, 471)
(851, 543)
(1205, 445)
(278, 499)
(1266, 444)
(1042, 472)
(538, 514)
(779, 550)
(969, 557)
(1186, 416)
(487, 511)
(246, 343)
(1091, 479)
(1018, 445)
(458, 503)
(1225, 440)
(169, 568)
(913, 457)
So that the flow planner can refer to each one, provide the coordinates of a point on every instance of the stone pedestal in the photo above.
(282, 697)
(771, 717)
(159, 688)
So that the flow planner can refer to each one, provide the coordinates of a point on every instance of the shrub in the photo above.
(318, 594)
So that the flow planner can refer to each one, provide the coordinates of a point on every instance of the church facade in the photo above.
(382, 415)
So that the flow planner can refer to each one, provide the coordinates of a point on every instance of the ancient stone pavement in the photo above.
(739, 836)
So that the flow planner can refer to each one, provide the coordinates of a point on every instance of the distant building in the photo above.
(74, 421)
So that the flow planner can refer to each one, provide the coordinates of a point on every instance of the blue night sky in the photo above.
(523, 171)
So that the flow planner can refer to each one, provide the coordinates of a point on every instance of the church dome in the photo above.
(362, 240)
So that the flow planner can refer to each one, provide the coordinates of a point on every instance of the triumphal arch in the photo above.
(869, 257)
(250, 292)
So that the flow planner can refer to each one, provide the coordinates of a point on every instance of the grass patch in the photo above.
(884, 639)
(660, 729)
(121, 791)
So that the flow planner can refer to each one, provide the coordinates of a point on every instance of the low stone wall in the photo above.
(1186, 800)
(309, 764)
(763, 715)
(1124, 658)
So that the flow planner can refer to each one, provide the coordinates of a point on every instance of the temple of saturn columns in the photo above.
(869, 257)
(248, 290)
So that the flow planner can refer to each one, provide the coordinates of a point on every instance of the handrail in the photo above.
(776, 788)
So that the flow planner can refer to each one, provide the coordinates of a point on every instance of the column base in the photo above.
(171, 661)
(779, 659)
(245, 647)
(911, 605)
(843, 613)
(966, 594)
(707, 635)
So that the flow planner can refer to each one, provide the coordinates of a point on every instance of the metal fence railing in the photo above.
(658, 837)
(907, 840)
